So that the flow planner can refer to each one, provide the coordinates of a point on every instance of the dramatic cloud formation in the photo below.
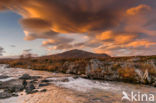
(112, 26)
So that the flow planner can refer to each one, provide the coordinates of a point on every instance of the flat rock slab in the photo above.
(3, 76)
(4, 95)
(14, 85)
(27, 76)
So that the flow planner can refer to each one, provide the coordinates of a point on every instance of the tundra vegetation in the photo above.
(133, 69)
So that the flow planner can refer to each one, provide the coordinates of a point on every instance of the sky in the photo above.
(42, 27)
(12, 36)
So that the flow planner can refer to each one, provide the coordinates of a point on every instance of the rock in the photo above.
(35, 77)
(30, 87)
(14, 85)
(140, 75)
(43, 90)
(14, 88)
(24, 83)
(43, 84)
(154, 84)
(25, 76)
(4, 66)
(76, 77)
(146, 77)
(33, 81)
(46, 81)
(4, 95)
(65, 80)
(93, 65)
(70, 67)
(83, 76)
(15, 94)
(3, 76)
(34, 91)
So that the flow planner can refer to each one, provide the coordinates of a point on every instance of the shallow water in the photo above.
(75, 90)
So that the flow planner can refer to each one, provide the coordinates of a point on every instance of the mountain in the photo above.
(79, 54)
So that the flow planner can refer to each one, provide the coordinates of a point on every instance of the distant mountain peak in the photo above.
(76, 53)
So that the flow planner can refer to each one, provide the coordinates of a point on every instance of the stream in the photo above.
(64, 88)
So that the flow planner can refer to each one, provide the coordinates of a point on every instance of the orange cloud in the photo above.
(118, 38)
(121, 39)
(35, 25)
(109, 25)
(142, 8)
(105, 35)
(141, 43)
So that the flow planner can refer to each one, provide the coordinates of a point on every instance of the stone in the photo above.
(154, 84)
(43, 84)
(24, 83)
(29, 88)
(34, 91)
(4, 95)
(46, 81)
(25, 76)
(14, 88)
(14, 85)
(43, 90)
(93, 65)
(65, 80)
(35, 77)
(3, 76)
(15, 94)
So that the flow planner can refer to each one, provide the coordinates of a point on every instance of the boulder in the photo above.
(4, 95)
(25, 76)
(93, 65)
(35, 77)
(14, 94)
(14, 88)
(154, 84)
(3, 77)
(43, 84)
(30, 87)
(43, 90)
(45, 81)
(24, 83)
(14, 85)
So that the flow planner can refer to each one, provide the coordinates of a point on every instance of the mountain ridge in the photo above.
(76, 53)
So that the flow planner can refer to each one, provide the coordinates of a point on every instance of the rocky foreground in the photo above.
(136, 69)
(132, 70)
(33, 86)
(27, 83)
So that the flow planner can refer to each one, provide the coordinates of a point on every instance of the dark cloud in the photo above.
(70, 16)
(35, 25)
(45, 35)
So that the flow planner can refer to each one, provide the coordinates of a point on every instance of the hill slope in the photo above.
(79, 54)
